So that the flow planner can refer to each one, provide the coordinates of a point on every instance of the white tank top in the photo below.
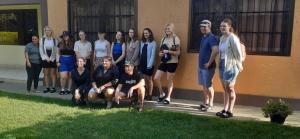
(222, 48)
(100, 48)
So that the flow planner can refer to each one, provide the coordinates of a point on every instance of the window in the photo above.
(101, 15)
(17, 26)
(265, 26)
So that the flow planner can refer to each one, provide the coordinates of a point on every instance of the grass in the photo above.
(37, 117)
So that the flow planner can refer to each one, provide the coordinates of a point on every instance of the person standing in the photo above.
(169, 54)
(102, 49)
(147, 60)
(83, 48)
(48, 49)
(66, 62)
(207, 65)
(33, 63)
(118, 51)
(231, 58)
(132, 48)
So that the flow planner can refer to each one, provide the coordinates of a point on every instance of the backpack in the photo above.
(243, 48)
(54, 42)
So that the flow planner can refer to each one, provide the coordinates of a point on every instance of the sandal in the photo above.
(220, 113)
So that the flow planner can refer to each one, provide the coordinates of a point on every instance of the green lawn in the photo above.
(37, 117)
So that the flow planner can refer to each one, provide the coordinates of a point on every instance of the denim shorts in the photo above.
(205, 76)
(230, 75)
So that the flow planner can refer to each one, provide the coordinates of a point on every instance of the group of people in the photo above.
(124, 68)
(112, 71)
(231, 54)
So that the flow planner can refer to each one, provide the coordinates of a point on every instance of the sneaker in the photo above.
(220, 113)
(47, 90)
(166, 101)
(226, 115)
(53, 90)
(62, 92)
(206, 108)
(161, 98)
(109, 105)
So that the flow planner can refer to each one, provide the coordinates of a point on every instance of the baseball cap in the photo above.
(205, 23)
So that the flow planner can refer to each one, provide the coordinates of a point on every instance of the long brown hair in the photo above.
(66, 44)
(230, 23)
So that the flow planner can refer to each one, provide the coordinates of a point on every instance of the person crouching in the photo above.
(131, 84)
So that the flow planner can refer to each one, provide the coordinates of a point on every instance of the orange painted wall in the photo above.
(263, 75)
(58, 15)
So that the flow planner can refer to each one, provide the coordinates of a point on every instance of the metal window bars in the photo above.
(265, 26)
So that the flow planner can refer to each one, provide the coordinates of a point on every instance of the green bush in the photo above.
(279, 107)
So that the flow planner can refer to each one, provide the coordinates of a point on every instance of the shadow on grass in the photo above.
(122, 123)
(150, 124)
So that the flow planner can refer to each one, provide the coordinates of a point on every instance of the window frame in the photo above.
(36, 7)
(283, 52)
(71, 20)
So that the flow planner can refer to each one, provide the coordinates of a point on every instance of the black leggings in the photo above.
(33, 74)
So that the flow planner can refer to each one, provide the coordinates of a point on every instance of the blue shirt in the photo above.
(117, 49)
(206, 45)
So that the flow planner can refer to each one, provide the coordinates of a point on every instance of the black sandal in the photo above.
(220, 113)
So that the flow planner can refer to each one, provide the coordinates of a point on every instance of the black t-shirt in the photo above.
(101, 78)
(82, 80)
(128, 81)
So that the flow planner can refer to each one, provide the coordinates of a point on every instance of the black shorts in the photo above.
(50, 64)
(148, 72)
(168, 67)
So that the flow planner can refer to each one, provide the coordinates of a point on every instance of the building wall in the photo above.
(58, 15)
(263, 75)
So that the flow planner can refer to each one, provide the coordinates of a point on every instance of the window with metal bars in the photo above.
(265, 26)
(109, 16)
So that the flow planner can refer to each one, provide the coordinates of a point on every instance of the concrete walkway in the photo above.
(13, 80)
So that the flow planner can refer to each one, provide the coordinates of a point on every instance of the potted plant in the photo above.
(277, 110)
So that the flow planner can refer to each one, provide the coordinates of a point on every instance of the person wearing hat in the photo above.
(131, 84)
(66, 62)
(207, 65)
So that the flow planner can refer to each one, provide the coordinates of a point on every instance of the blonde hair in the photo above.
(52, 32)
(171, 26)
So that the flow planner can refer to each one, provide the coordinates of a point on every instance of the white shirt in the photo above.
(83, 48)
(48, 44)
(100, 48)
(222, 48)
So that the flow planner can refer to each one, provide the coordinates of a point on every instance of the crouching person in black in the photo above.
(105, 78)
(81, 82)
(131, 85)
